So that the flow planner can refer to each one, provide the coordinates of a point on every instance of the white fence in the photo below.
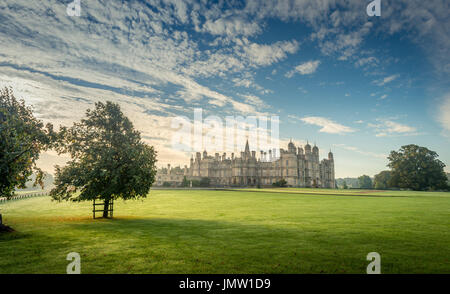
(23, 196)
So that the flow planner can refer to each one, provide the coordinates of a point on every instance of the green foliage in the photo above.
(417, 168)
(382, 180)
(109, 160)
(167, 184)
(195, 183)
(280, 183)
(205, 182)
(365, 182)
(185, 182)
(344, 185)
(22, 138)
(350, 182)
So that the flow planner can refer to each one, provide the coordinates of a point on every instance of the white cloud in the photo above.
(387, 127)
(263, 54)
(387, 80)
(306, 68)
(247, 81)
(371, 60)
(384, 97)
(255, 101)
(327, 125)
(444, 114)
(363, 152)
(231, 27)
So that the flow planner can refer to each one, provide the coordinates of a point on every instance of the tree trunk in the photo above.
(106, 208)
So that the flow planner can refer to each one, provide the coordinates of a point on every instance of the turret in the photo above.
(307, 148)
(205, 154)
(315, 149)
(291, 147)
(300, 150)
(330, 155)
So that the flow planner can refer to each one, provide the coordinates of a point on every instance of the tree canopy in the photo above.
(108, 159)
(382, 180)
(365, 182)
(417, 168)
(22, 138)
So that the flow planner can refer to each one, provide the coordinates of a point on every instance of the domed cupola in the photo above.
(315, 149)
(307, 147)
(291, 147)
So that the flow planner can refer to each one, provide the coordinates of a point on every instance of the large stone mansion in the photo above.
(299, 167)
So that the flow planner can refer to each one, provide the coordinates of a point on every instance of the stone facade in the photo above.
(299, 167)
(173, 176)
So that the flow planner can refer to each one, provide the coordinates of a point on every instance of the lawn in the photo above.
(241, 231)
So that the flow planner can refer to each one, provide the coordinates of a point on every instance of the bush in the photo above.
(205, 182)
(280, 183)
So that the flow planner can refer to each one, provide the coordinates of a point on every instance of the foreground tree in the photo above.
(382, 180)
(417, 168)
(109, 160)
(22, 138)
(365, 182)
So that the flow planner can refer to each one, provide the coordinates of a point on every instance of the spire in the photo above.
(247, 148)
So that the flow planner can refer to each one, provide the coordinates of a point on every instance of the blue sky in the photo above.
(360, 86)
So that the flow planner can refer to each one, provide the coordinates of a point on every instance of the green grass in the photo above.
(260, 231)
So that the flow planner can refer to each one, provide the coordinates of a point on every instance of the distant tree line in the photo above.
(412, 167)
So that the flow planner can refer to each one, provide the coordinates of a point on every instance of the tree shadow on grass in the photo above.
(177, 245)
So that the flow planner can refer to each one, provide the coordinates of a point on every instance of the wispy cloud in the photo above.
(231, 27)
(327, 125)
(387, 127)
(363, 152)
(444, 114)
(386, 80)
(267, 54)
(306, 68)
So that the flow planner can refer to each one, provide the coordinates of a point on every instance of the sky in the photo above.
(357, 85)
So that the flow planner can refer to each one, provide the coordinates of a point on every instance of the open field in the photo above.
(260, 231)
